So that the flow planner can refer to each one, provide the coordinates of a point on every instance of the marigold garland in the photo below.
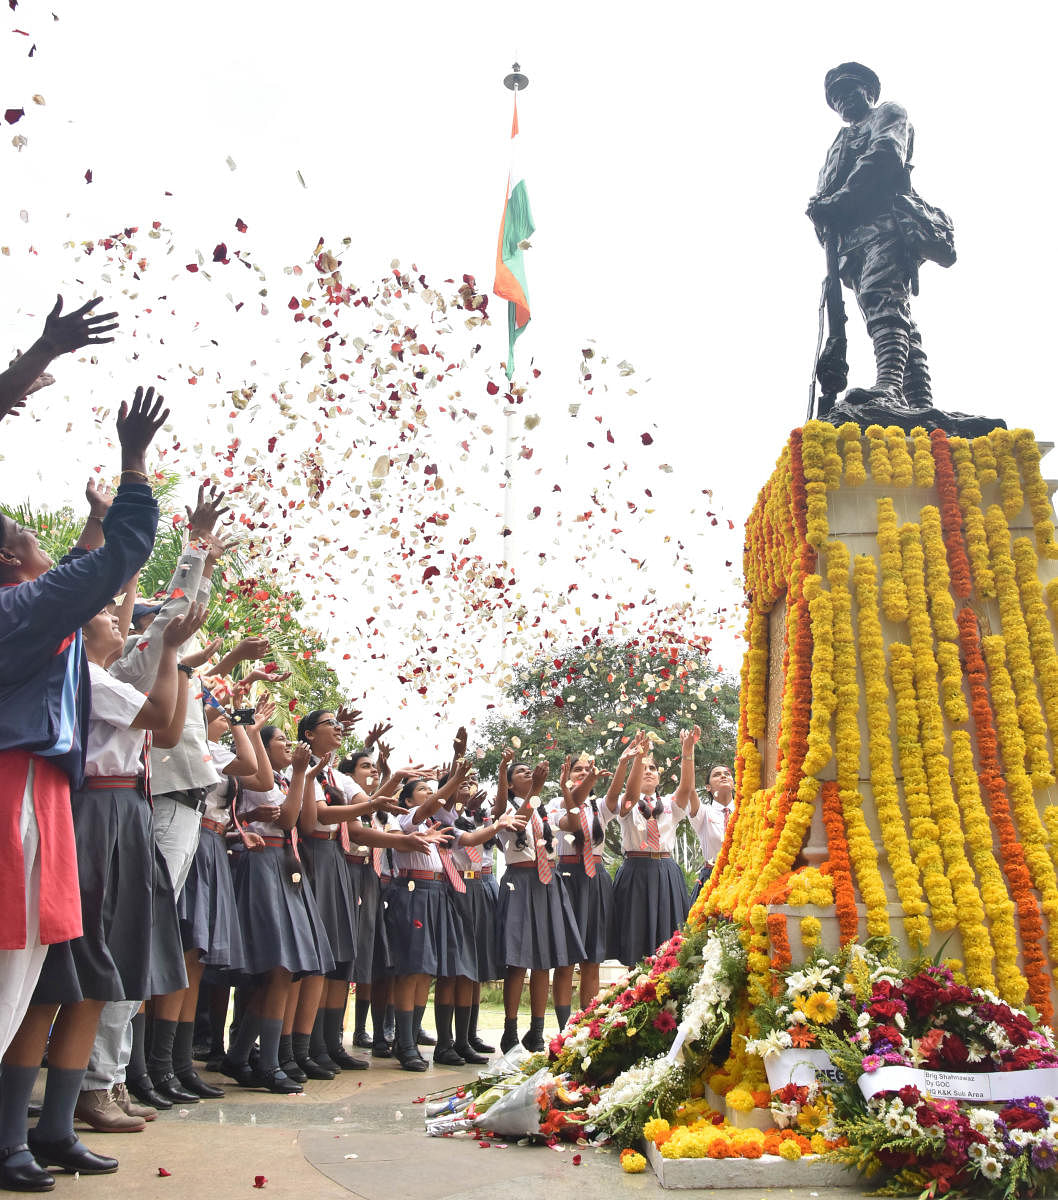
(984, 459)
(894, 594)
(878, 454)
(942, 614)
(922, 457)
(973, 518)
(950, 515)
(1036, 492)
(1012, 856)
(900, 463)
(840, 866)
(883, 781)
(852, 452)
(1010, 494)
(1027, 713)
(823, 697)
(1041, 640)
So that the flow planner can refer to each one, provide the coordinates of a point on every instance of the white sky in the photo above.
(669, 153)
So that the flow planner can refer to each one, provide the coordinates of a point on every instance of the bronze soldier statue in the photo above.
(878, 231)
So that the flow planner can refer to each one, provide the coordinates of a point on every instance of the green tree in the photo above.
(241, 604)
(593, 699)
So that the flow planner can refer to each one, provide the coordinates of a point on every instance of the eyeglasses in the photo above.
(329, 721)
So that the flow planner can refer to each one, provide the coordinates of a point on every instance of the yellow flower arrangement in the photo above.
(790, 1150)
(984, 460)
(633, 1163)
(900, 462)
(922, 457)
(973, 517)
(894, 594)
(852, 452)
(883, 782)
(1040, 637)
(820, 1007)
(995, 896)
(655, 1128)
(1010, 495)
(1028, 714)
(1036, 492)
(1030, 828)
(878, 454)
(811, 932)
(740, 1100)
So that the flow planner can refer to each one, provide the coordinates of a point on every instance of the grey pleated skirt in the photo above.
(424, 930)
(535, 925)
(115, 866)
(281, 926)
(335, 900)
(371, 960)
(591, 899)
(650, 902)
(209, 920)
(476, 908)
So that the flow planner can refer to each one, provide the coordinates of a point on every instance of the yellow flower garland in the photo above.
(922, 457)
(894, 594)
(942, 613)
(1018, 656)
(973, 518)
(1036, 492)
(823, 697)
(1010, 494)
(1041, 640)
(900, 463)
(995, 896)
(878, 454)
(984, 459)
(852, 452)
(883, 782)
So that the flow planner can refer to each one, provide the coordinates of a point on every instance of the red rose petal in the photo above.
(417, 924)
(576, 1160)
(259, 1181)
(164, 1173)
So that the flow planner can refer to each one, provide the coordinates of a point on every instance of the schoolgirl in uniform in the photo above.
(424, 930)
(711, 821)
(209, 920)
(650, 896)
(461, 862)
(582, 831)
(283, 934)
(115, 864)
(537, 928)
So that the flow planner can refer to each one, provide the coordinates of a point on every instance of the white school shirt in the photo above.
(508, 839)
(634, 825)
(111, 747)
(567, 843)
(344, 785)
(218, 807)
(405, 860)
(710, 828)
(250, 800)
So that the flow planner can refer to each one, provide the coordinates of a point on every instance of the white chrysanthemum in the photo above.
(892, 1122)
(1020, 1137)
(990, 1168)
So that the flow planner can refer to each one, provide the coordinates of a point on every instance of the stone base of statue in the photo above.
(899, 708)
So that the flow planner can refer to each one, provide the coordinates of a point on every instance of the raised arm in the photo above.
(499, 805)
(686, 794)
(166, 704)
(290, 809)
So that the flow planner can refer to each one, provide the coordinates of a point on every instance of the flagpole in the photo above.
(514, 82)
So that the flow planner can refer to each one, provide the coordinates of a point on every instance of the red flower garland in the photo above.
(951, 515)
(840, 864)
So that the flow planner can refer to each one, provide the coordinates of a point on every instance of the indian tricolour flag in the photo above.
(516, 227)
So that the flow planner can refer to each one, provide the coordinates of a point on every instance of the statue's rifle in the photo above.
(830, 368)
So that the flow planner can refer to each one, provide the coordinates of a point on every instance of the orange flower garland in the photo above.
(950, 515)
(1012, 857)
(840, 867)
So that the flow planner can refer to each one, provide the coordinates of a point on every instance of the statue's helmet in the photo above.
(839, 78)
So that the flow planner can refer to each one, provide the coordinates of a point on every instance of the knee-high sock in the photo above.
(160, 1055)
(60, 1098)
(442, 1019)
(16, 1088)
(332, 1028)
(462, 1025)
(317, 1043)
(361, 1008)
(245, 1036)
(406, 1032)
(378, 1015)
(271, 1032)
(183, 1047)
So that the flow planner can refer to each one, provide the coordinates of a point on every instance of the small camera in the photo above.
(242, 716)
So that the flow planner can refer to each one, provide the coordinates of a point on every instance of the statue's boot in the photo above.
(917, 390)
(891, 347)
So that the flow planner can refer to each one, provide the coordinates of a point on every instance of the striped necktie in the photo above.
(543, 867)
(343, 828)
(586, 850)
(454, 877)
(653, 842)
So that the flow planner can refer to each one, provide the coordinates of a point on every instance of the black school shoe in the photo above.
(344, 1061)
(29, 1177)
(277, 1081)
(170, 1087)
(292, 1069)
(381, 1049)
(145, 1092)
(242, 1073)
(363, 1040)
(70, 1154)
(195, 1083)
(468, 1054)
(314, 1070)
(422, 1038)
(448, 1056)
(475, 1043)
(410, 1059)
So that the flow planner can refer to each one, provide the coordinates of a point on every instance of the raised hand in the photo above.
(459, 742)
(539, 777)
(512, 821)
(181, 628)
(254, 841)
(216, 547)
(198, 658)
(506, 758)
(264, 711)
(347, 717)
(137, 424)
(202, 518)
(99, 498)
(63, 334)
(299, 757)
(375, 735)
(689, 738)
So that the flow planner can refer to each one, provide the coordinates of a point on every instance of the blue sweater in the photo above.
(45, 695)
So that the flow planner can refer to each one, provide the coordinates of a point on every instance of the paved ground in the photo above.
(360, 1135)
